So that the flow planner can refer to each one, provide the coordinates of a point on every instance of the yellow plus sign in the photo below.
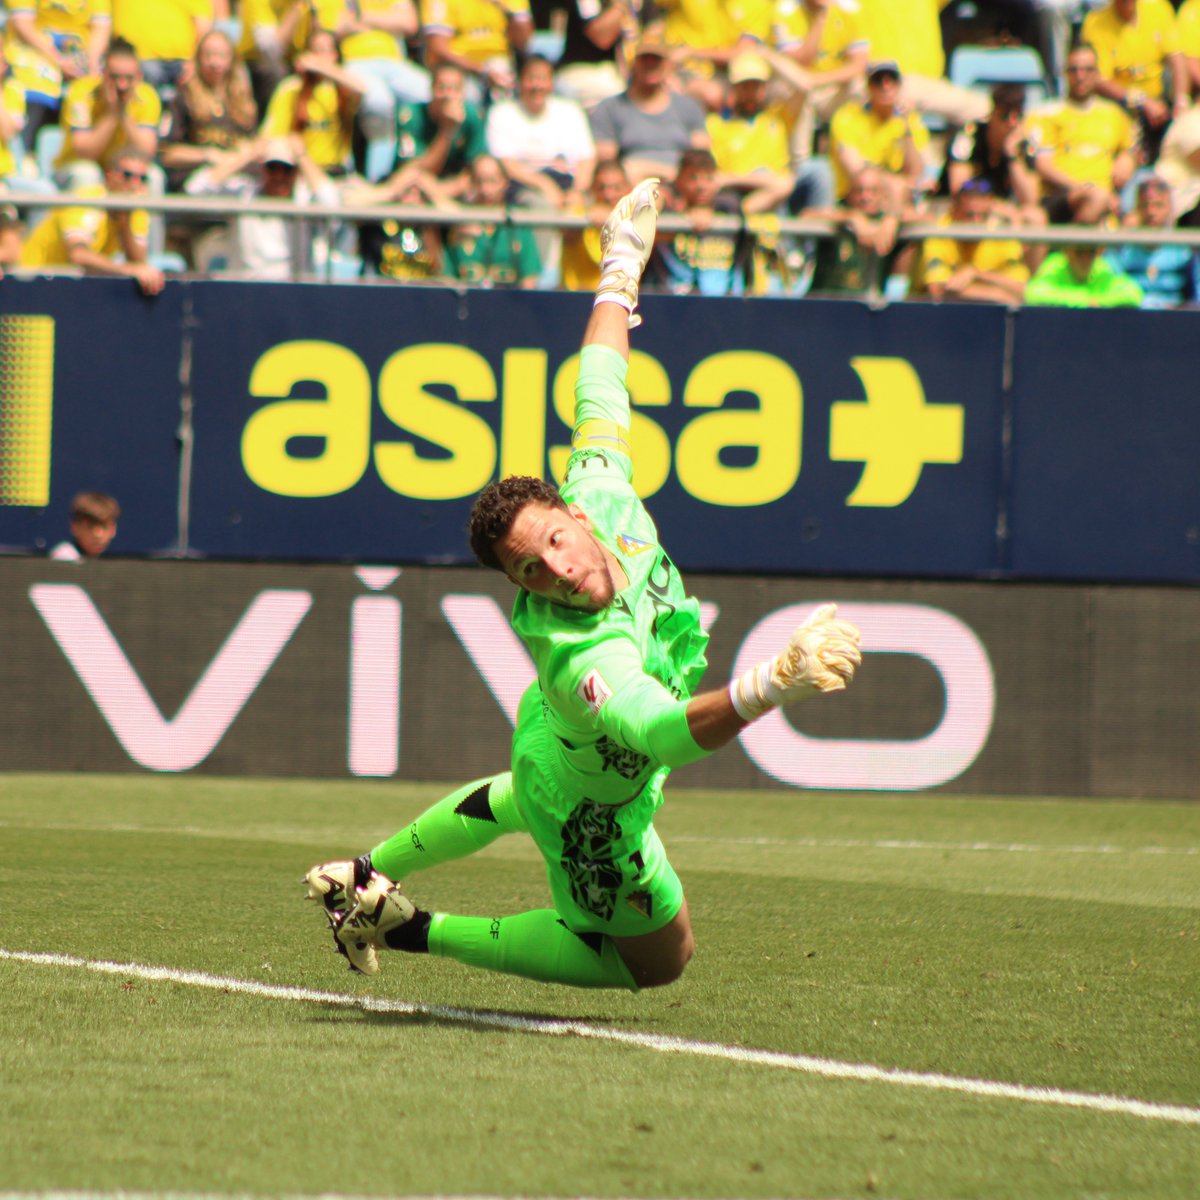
(894, 432)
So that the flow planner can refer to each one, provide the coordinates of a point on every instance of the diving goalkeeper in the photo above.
(619, 653)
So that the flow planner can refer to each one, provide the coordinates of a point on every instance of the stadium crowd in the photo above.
(869, 115)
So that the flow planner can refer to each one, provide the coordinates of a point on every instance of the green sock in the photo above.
(534, 945)
(457, 825)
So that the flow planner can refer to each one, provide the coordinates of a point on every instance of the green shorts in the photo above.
(606, 866)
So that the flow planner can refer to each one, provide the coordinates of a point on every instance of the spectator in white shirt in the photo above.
(267, 246)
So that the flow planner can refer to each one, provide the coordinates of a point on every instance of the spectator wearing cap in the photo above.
(706, 35)
(97, 241)
(1084, 147)
(998, 151)
(751, 139)
(649, 125)
(266, 246)
(1137, 45)
(909, 33)
(1168, 275)
(991, 270)
(881, 132)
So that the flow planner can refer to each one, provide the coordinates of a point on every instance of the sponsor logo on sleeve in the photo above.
(594, 692)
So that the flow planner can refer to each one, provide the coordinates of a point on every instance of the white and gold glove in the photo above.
(626, 241)
(821, 656)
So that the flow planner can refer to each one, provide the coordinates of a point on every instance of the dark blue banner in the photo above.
(357, 423)
(770, 435)
(1106, 445)
(89, 401)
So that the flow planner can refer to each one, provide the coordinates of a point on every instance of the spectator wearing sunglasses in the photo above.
(97, 241)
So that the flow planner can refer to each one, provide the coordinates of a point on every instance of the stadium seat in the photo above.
(549, 43)
(980, 68)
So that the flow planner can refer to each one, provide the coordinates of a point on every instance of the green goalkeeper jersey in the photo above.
(614, 684)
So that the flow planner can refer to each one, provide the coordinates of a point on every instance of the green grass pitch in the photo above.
(1048, 944)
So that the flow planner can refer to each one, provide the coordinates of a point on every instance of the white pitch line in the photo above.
(827, 1068)
(913, 844)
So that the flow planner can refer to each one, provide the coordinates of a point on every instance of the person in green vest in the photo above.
(1079, 276)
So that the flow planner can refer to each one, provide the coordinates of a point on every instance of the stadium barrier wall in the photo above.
(378, 672)
(355, 423)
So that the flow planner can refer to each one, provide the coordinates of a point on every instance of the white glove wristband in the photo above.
(751, 693)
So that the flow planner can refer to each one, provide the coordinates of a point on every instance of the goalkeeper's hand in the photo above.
(821, 656)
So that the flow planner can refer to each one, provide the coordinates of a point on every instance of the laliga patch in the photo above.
(631, 545)
(594, 692)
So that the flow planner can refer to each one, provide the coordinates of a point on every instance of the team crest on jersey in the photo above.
(631, 545)
(594, 692)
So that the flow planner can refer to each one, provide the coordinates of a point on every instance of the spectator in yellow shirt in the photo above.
(751, 139)
(481, 37)
(992, 271)
(49, 43)
(269, 29)
(104, 114)
(319, 102)
(165, 34)
(98, 241)
(1084, 147)
(880, 132)
(1136, 42)
(828, 41)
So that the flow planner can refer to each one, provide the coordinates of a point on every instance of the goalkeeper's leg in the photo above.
(466, 820)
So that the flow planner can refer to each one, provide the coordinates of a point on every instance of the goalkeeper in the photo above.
(619, 654)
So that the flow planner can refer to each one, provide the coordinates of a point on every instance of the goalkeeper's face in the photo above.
(552, 552)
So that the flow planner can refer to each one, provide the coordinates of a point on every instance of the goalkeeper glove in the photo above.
(821, 656)
(626, 241)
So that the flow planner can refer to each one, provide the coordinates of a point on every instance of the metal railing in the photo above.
(326, 218)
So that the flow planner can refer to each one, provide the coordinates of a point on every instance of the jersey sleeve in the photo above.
(605, 687)
(602, 416)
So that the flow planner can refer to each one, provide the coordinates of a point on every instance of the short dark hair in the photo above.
(98, 507)
(497, 507)
(696, 158)
(1009, 96)
(120, 47)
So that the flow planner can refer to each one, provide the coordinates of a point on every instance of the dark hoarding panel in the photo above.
(377, 672)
